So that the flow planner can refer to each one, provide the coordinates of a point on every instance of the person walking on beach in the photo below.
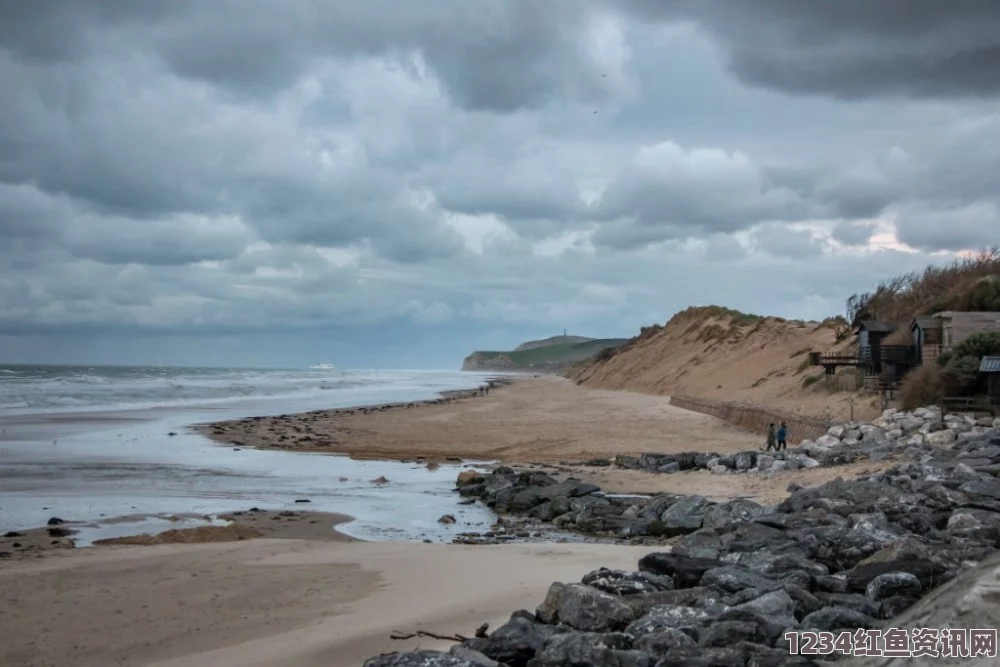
(771, 438)
(782, 436)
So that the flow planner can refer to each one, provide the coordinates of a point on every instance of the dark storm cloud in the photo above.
(959, 227)
(851, 49)
(496, 55)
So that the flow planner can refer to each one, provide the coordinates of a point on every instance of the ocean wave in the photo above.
(61, 389)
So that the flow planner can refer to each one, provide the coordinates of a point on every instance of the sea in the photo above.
(93, 444)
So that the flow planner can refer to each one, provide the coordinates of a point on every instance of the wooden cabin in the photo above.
(925, 333)
(957, 327)
(990, 367)
(870, 334)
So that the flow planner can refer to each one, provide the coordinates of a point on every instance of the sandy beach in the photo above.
(264, 602)
(240, 597)
(544, 419)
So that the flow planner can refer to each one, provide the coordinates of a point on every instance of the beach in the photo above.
(290, 586)
(543, 419)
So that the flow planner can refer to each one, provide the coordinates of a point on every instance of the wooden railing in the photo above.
(976, 404)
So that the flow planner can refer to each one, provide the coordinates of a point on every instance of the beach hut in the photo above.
(990, 367)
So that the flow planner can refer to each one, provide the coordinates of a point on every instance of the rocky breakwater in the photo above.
(903, 435)
(838, 558)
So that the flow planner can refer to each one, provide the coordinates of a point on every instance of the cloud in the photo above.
(970, 227)
(417, 178)
(853, 232)
(851, 49)
(784, 242)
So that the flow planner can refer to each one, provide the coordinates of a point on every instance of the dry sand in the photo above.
(535, 419)
(765, 490)
(269, 603)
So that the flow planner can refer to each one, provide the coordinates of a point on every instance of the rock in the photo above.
(894, 606)
(733, 579)
(380, 480)
(684, 516)
(765, 462)
(909, 424)
(776, 605)
(806, 462)
(55, 521)
(745, 460)
(830, 440)
(703, 657)
(467, 477)
(726, 633)
(621, 583)
(419, 659)
(852, 601)
(893, 584)
(659, 643)
(686, 572)
(664, 617)
(837, 432)
(447, 519)
(462, 652)
(926, 571)
(612, 650)
(583, 608)
(516, 641)
(835, 583)
(739, 510)
(669, 467)
(835, 619)
(941, 438)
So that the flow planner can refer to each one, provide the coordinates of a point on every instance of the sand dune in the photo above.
(708, 355)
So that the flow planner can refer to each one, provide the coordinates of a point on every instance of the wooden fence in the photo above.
(756, 419)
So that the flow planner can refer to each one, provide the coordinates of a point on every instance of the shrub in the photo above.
(961, 285)
(926, 385)
(978, 346)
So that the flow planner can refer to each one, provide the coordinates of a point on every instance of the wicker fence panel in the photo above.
(755, 418)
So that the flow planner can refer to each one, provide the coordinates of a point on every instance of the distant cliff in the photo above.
(550, 355)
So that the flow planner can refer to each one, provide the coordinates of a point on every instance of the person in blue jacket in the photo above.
(782, 436)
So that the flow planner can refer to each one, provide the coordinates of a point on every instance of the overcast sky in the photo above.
(378, 183)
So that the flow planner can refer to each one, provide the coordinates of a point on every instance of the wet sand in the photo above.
(272, 524)
(288, 603)
(545, 419)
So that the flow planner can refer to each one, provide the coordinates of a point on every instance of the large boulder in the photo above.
(514, 643)
(664, 617)
(620, 583)
(586, 649)
(893, 584)
(738, 510)
(684, 516)
(418, 659)
(584, 608)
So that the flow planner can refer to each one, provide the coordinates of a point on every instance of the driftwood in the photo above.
(480, 632)
(431, 635)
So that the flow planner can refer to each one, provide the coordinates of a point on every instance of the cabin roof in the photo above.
(989, 365)
(927, 322)
(876, 326)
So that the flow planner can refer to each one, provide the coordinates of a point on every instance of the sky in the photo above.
(375, 183)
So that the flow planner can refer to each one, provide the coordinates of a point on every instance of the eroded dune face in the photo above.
(716, 354)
